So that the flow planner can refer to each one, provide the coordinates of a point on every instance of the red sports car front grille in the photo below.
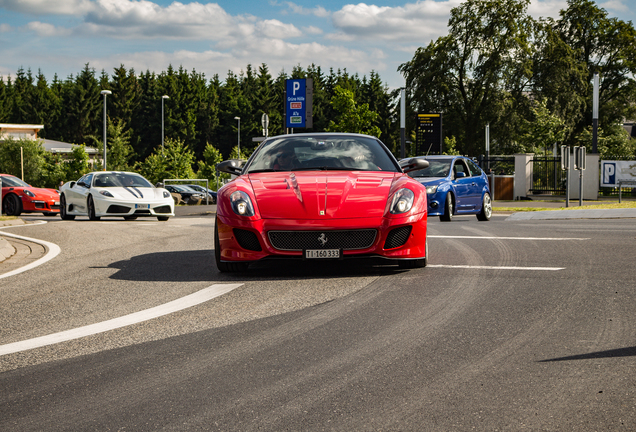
(341, 239)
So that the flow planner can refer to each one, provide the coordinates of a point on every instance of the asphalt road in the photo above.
(515, 325)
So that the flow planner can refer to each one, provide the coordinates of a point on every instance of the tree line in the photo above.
(530, 80)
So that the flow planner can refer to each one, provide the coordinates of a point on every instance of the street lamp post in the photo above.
(163, 98)
(105, 93)
(239, 136)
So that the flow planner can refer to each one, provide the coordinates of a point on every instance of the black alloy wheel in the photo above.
(12, 205)
(91, 209)
(63, 213)
(448, 209)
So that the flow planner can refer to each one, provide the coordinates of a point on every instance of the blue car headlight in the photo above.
(402, 201)
(431, 189)
(242, 204)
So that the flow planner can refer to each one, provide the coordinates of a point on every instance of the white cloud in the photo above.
(45, 7)
(615, 5)
(277, 29)
(5, 28)
(312, 30)
(318, 11)
(46, 30)
(413, 21)
(546, 8)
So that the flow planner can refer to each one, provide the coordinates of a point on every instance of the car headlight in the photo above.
(166, 194)
(402, 201)
(106, 193)
(431, 189)
(242, 204)
(29, 193)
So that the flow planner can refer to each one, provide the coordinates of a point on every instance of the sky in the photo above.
(62, 36)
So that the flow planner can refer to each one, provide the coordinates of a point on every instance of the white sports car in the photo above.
(114, 193)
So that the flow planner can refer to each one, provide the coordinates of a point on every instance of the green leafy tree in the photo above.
(542, 130)
(352, 117)
(613, 142)
(174, 162)
(78, 165)
(18, 153)
(84, 105)
(120, 151)
(607, 46)
(477, 74)
(207, 166)
(53, 171)
(450, 146)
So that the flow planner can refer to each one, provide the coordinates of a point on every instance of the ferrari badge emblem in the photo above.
(322, 239)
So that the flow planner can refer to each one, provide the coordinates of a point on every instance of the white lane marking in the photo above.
(497, 267)
(509, 238)
(53, 251)
(194, 299)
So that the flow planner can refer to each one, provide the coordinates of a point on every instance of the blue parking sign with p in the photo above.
(296, 103)
(608, 174)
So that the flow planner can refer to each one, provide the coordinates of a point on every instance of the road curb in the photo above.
(6, 250)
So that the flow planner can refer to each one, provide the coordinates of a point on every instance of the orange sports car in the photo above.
(20, 197)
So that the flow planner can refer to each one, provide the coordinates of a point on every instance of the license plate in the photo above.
(142, 206)
(322, 253)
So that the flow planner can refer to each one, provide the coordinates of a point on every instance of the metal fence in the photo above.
(499, 165)
(547, 176)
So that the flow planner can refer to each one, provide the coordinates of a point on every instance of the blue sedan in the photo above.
(455, 185)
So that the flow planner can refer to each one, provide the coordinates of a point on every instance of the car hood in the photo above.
(430, 181)
(43, 193)
(133, 193)
(311, 195)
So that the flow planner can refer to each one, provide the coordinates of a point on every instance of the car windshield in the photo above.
(436, 168)
(322, 152)
(120, 180)
(10, 181)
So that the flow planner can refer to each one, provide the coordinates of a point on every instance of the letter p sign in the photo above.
(296, 85)
(609, 173)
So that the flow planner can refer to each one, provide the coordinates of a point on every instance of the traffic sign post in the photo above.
(265, 124)
(565, 165)
(579, 164)
(298, 103)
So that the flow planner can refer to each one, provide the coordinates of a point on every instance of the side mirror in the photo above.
(413, 164)
(232, 166)
(460, 175)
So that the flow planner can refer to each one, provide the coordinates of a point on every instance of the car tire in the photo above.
(486, 208)
(90, 204)
(63, 214)
(162, 218)
(130, 218)
(448, 209)
(12, 205)
(225, 267)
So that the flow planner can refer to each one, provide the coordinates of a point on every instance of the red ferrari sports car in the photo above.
(19, 197)
(321, 196)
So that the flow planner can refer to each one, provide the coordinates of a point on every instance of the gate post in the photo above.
(523, 175)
